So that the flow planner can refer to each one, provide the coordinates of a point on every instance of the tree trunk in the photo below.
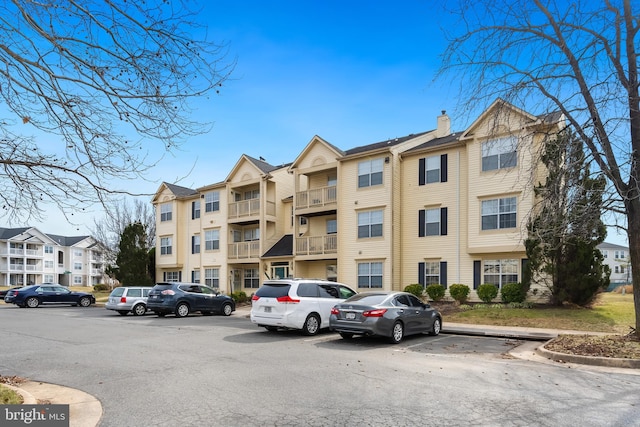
(633, 233)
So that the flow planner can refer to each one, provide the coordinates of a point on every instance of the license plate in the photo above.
(267, 309)
(350, 316)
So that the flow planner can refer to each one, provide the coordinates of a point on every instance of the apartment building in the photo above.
(431, 207)
(29, 256)
(618, 259)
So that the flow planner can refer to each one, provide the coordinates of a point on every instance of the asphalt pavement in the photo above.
(85, 410)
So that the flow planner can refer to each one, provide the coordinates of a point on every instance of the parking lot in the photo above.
(225, 371)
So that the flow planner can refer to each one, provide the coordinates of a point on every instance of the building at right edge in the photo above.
(431, 207)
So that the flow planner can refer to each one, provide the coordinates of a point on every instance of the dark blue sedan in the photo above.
(47, 293)
(183, 298)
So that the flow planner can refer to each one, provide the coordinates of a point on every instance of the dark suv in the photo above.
(184, 298)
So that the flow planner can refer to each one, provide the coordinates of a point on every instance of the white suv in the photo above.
(297, 304)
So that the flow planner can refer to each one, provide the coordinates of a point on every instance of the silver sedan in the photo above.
(387, 314)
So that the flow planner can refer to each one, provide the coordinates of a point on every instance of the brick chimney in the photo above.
(444, 125)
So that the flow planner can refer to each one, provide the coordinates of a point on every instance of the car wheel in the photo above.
(271, 328)
(122, 312)
(346, 335)
(397, 332)
(32, 302)
(311, 325)
(182, 310)
(85, 302)
(139, 310)
(227, 309)
(437, 325)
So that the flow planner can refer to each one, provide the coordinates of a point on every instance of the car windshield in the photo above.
(273, 290)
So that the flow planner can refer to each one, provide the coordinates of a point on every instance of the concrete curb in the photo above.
(84, 409)
(27, 398)
(609, 362)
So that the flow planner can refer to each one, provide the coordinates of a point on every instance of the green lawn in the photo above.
(612, 312)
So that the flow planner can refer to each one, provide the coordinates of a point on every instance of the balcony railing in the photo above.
(317, 245)
(251, 207)
(244, 250)
(316, 197)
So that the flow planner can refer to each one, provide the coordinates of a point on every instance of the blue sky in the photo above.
(352, 72)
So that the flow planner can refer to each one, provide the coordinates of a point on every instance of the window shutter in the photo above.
(193, 212)
(421, 224)
(421, 171)
(443, 273)
(421, 273)
(476, 273)
(524, 263)
(180, 276)
(443, 168)
(443, 221)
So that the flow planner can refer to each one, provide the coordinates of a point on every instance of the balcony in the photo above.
(249, 208)
(244, 250)
(317, 197)
(317, 245)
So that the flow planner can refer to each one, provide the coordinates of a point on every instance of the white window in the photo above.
(77, 280)
(195, 244)
(251, 234)
(432, 222)
(195, 276)
(500, 271)
(212, 201)
(605, 254)
(165, 212)
(77, 252)
(499, 153)
(48, 263)
(370, 275)
(499, 213)
(165, 246)
(212, 240)
(251, 278)
(48, 278)
(616, 269)
(195, 209)
(332, 226)
(171, 276)
(431, 273)
(369, 224)
(212, 277)
(370, 173)
(77, 266)
(432, 169)
(48, 249)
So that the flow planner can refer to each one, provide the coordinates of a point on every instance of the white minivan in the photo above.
(303, 304)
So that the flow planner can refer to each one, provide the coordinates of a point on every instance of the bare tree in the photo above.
(579, 57)
(84, 86)
(108, 230)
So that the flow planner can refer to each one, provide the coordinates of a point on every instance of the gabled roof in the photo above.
(261, 164)
(284, 247)
(7, 233)
(34, 233)
(180, 191)
(605, 245)
(383, 144)
(67, 241)
(499, 103)
(454, 137)
(316, 140)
